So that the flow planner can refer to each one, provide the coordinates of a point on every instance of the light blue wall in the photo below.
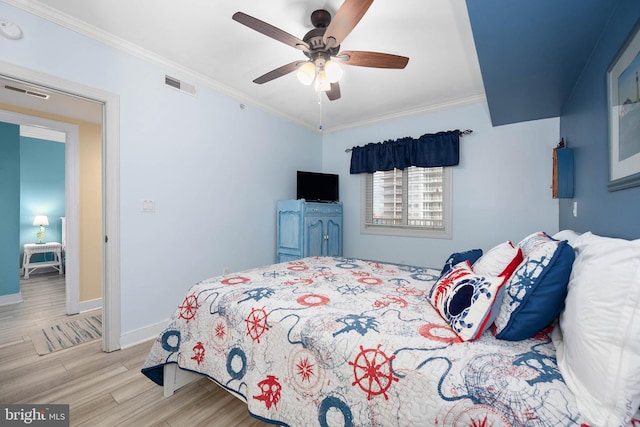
(9, 209)
(42, 189)
(215, 170)
(501, 188)
(584, 125)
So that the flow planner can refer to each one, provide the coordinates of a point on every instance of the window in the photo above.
(410, 202)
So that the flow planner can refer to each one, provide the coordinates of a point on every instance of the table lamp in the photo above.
(41, 220)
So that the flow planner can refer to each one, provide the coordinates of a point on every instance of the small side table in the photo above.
(40, 248)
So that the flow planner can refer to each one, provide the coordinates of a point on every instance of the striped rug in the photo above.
(68, 331)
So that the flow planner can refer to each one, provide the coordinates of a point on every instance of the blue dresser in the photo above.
(308, 229)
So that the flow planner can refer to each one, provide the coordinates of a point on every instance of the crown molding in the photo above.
(460, 102)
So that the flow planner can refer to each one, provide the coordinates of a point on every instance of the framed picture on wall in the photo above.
(623, 86)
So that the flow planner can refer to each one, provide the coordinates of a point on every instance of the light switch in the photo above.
(148, 206)
(575, 208)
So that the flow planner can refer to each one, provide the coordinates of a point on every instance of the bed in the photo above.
(326, 341)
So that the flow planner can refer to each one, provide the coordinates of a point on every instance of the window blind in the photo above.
(413, 197)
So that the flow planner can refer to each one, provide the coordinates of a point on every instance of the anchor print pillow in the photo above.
(534, 294)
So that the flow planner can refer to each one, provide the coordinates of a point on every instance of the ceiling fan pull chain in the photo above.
(320, 108)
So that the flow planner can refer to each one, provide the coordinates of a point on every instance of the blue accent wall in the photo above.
(9, 208)
(42, 189)
(531, 52)
(584, 125)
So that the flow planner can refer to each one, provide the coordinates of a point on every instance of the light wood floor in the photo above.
(102, 389)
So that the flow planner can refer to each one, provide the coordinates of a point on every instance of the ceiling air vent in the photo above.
(175, 83)
(27, 92)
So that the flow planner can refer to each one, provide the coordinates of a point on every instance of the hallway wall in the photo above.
(10, 213)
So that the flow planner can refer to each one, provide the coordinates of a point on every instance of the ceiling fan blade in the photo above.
(270, 31)
(278, 72)
(345, 19)
(372, 59)
(334, 92)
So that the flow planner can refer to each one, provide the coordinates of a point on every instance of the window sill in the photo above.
(401, 231)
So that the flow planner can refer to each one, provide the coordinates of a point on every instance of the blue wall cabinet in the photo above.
(308, 229)
(562, 183)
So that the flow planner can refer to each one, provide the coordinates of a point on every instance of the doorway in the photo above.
(110, 186)
(71, 141)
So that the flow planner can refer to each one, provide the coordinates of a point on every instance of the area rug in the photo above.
(68, 331)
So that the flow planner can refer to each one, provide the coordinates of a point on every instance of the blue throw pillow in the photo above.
(534, 295)
(455, 258)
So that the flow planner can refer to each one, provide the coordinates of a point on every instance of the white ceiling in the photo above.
(198, 41)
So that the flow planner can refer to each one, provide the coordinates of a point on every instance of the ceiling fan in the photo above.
(321, 45)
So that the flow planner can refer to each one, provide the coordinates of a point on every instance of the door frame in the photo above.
(71, 191)
(111, 308)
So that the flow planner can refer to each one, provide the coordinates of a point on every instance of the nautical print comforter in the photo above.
(344, 342)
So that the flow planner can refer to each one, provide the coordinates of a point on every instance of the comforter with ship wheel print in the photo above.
(346, 342)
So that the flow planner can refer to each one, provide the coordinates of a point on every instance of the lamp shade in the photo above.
(41, 220)
(333, 71)
(322, 83)
(306, 73)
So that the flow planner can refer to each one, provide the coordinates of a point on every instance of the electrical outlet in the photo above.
(225, 270)
(575, 208)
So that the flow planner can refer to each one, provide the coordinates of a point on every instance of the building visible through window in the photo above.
(413, 201)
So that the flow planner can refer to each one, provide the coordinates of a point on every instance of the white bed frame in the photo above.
(174, 378)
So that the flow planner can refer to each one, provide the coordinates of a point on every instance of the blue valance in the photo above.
(430, 150)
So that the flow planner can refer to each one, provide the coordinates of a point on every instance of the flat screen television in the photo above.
(317, 187)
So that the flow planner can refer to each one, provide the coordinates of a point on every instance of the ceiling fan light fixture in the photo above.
(306, 73)
(333, 71)
(322, 82)
(320, 45)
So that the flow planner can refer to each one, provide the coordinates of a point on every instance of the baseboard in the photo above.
(10, 299)
(92, 304)
(129, 339)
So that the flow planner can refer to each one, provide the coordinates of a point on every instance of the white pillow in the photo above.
(598, 342)
(498, 261)
(569, 235)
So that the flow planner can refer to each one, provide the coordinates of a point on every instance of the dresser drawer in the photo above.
(322, 208)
